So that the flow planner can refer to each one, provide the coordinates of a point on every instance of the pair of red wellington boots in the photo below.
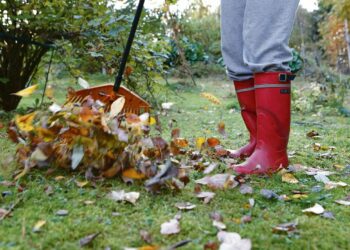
(265, 103)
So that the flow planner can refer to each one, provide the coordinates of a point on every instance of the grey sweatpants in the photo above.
(255, 36)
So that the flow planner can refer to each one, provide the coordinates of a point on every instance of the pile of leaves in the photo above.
(86, 139)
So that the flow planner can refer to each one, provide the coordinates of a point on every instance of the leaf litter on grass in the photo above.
(80, 135)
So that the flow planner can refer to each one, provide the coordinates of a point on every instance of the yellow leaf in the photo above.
(81, 184)
(289, 178)
(212, 98)
(131, 173)
(299, 196)
(49, 92)
(25, 122)
(152, 121)
(58, 178)
(26, 92)
(199, 142)
(39, 225)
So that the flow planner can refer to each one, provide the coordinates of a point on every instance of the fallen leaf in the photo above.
(170, 227)
(246, 189)
(269, 194)
(216, 216)
(221, 129)
(199, 142)
(117, 107)
(87, 240)
(167, 105)
(312, 134)
(185, 206)
(289, 228)
(49, 92)
(38, 155)
(219, 225)
(211, 246)
(38, 225)
(328, 215)
(331, 185)
(7, 183)
(317, 209)
(62, 212)
(213, 142)
(27, 91)
(212, 98)
(233, 241)
(342, 202)
(88, 203)
(131, 197)
(3, 212)
(206, 196)
(59, 178)
(146, 236)
(152, 121)
(49, 190)
(181, 142)
(77, 156)
(219, 181)
(83, 83)
(210, 168)
(25, 122)
(81, 184)
(289, 178)
(246, 219)
(132, 173)
(55, 108)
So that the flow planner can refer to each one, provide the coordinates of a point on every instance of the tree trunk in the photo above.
(347, 38)
(18, 63)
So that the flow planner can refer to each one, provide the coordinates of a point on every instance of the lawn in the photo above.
(120, 223)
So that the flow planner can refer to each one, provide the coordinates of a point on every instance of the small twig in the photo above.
(12, 207)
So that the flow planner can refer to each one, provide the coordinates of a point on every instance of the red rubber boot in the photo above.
(246, 98)
(273, 103)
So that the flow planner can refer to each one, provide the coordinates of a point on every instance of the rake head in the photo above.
(105, 93)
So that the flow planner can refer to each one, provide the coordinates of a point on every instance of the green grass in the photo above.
(195, 117)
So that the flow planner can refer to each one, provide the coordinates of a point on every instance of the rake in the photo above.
(109, 93)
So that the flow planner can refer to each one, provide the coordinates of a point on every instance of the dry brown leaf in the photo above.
(181, 142)
(213, 142)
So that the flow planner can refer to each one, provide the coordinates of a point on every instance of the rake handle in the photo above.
(119, 78)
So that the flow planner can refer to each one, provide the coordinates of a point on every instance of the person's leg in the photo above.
(232, 14)
(232, 17)
(267, 28)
